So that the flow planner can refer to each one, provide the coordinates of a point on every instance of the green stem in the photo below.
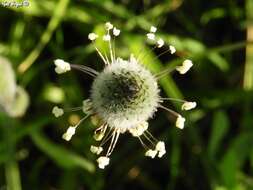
(46, 36)
(12, 175)
(231, 47)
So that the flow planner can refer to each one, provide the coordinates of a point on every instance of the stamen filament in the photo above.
(142, 143)
(169, 110)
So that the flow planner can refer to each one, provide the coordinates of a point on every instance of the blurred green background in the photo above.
(214, 151)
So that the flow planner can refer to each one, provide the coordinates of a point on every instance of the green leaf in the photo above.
(228, 168)
(220, 128)
(218, 60)
(60, 155)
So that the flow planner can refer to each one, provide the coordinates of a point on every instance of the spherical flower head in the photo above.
(61, 66)
(103, 161)
(125, 94)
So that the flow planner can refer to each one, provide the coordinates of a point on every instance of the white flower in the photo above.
(188, 105)
(116, 31)
(151, 36)
(96, 150)
(172, 49)
(107, 37)
(153, 29)
(103, 161)
(180, 122)
(61, 66)
(57, 111)
(92, 36)
(160, 43)
(160, 148)
(69, 133)
(151, 153)
(139, 129)
(187, 64)
(108, 26)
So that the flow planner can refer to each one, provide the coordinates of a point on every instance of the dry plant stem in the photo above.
(46, 36)
(248, 72)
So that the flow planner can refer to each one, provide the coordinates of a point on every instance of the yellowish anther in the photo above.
(116, 31)
(151, 36)
(96, 150)
(98, 136)
(188, 105)
(151, 153)
(187, 64)
(103, 161)
(139, 129)
(69, 133)
(92, 36)
(61, 66)
(180, 122)
(160, 43)
(108, 26)
(172, 49)
(153, 29)
(57, 111)
(160, 148)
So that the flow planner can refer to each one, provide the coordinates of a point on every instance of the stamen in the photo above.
(100, 54)
(112, 142)
(106, 137)
(169, 110)
(85, 69)
(142, 143)
(151, 136)
(152, 142)
(100, 132)
(115, 142)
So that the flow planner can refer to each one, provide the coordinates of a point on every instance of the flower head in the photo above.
(124, 96)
